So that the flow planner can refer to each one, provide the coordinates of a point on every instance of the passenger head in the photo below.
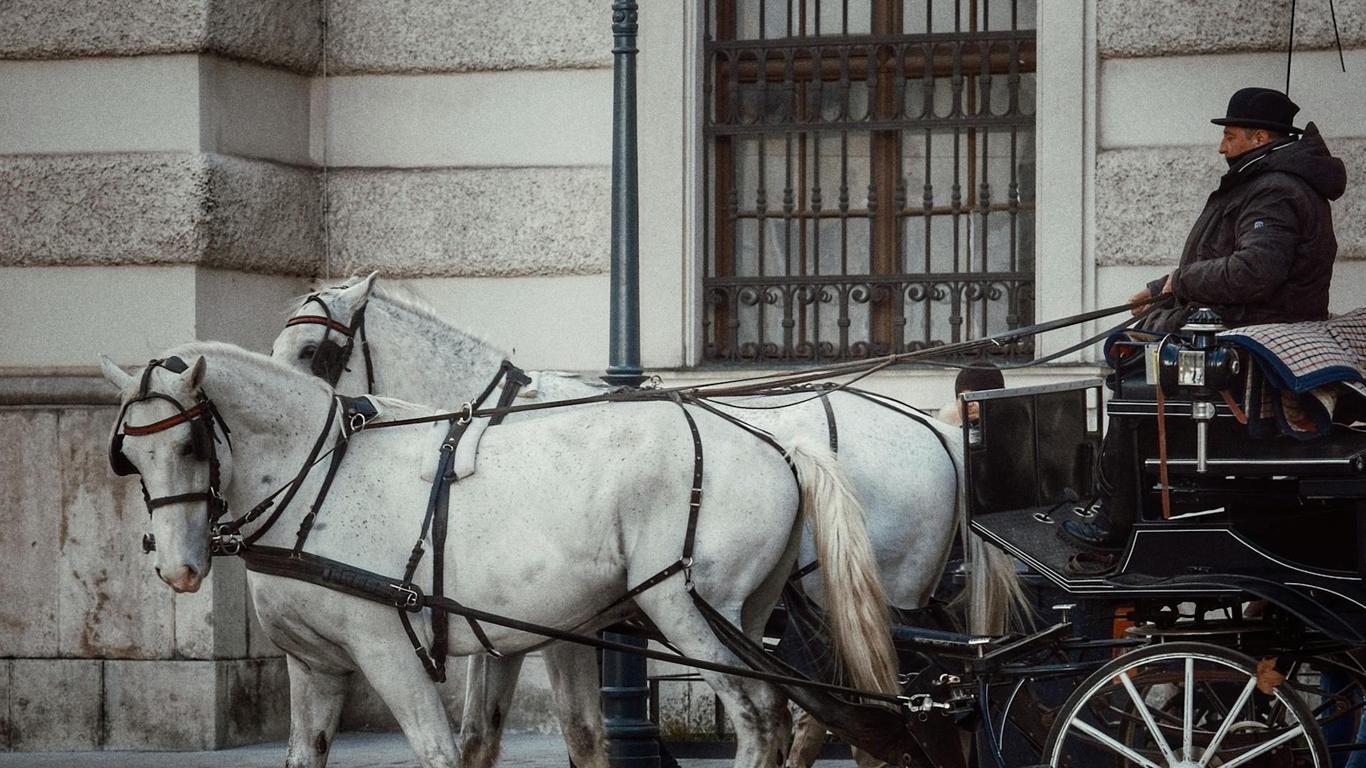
(975, 379)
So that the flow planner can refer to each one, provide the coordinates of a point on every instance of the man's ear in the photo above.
(114, 374)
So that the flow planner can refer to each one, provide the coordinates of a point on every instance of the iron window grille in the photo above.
(869, 172)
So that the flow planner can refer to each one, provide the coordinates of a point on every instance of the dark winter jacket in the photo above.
(1262, 251)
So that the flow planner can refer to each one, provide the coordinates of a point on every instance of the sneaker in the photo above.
(1095, 534)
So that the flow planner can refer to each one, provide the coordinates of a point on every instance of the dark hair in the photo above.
(978, 377)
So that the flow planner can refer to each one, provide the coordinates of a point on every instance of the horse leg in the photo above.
(574, 685)
(397, 676)
(488, 694)
(315, 703)
(758, 712)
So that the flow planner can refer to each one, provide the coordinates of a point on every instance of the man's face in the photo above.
(1239, 140)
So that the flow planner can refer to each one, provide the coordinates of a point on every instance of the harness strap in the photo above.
(359, 324)
(292, 489)
(830, 423)
(683, 563)
(408, 597)
(436, 522)
(306, 525)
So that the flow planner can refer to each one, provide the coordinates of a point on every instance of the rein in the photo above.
(768, 382)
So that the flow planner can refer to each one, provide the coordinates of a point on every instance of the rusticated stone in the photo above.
(285, 33)
(159, 208)
(55, 704)
(501, 222)
(30, 533)
(1148, 198)
(471, 35)
(1163, 27)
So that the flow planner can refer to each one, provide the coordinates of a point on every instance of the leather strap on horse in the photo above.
(409, 598)
(235, 526)
(768, 382)
(684, 562)
(436, 521)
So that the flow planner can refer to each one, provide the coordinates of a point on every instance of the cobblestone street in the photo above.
(351, 750)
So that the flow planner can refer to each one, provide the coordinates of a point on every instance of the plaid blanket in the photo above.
(1302, 370)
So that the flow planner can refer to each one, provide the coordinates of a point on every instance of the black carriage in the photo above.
(1226, 630)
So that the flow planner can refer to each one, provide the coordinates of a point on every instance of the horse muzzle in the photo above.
(184, 578)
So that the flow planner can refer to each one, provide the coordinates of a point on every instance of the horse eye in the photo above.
(185, 449)
(307, 352)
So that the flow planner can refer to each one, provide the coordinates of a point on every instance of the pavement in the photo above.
(350, 750)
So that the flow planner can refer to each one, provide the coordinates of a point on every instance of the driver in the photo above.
(1262, 251)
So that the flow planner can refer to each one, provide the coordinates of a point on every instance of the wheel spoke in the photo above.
(1262, 748)
(1187, 717)
(1228, 721)
(1147, 718)
(1114, 745)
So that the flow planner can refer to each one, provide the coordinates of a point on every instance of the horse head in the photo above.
(169, 433)
(321, 335)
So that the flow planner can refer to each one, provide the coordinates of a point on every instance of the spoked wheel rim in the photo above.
(1185, 705)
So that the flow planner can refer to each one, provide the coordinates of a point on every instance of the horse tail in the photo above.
(996, 598)
(856, 603)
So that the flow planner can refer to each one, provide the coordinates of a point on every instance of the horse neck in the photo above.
(423, 360)
(275, 417)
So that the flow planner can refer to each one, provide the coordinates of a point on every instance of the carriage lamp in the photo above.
(1195, 366)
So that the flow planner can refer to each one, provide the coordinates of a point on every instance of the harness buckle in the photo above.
(410, 597)
(358, 422)
(466, 413)
(687, 573)
(229, 544)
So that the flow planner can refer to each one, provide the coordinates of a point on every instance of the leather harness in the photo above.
(330, 358)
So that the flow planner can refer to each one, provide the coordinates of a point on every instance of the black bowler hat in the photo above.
(1261, 108)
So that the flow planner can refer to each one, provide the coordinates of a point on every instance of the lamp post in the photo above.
(624, 361)
(632, 740)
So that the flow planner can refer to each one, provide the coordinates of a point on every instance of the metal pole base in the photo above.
(632, 740)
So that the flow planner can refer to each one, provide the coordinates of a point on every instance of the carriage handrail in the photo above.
(768, 382)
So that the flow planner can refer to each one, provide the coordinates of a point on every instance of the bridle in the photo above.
(226, 538)
(330, 358)
(204, 423)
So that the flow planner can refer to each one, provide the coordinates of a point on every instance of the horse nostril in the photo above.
(193, 573)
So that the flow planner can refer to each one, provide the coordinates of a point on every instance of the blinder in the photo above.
(330, 357)
(200, 417)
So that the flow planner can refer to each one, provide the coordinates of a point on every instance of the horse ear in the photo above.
(114, 374)
(366, 286)
(197, 372)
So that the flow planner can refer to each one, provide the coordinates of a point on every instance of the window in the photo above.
(869, 176)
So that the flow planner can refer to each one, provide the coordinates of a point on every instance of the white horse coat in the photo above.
(901, 466)
(564, 514)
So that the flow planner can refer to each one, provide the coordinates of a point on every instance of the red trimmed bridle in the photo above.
(204, 423)
(330, 358)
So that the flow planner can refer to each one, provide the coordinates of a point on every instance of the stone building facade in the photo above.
(179, 169)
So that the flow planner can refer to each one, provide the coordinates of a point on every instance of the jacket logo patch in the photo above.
(1258, 224)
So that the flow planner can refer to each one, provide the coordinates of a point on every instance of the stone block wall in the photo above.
(172, 171)
(1165, 68)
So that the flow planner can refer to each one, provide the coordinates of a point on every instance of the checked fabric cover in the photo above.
(1301, 372)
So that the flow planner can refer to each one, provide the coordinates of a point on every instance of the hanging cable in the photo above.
(324, 123)
(1290, 49)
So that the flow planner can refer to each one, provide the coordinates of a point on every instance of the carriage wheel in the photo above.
(1185, 705)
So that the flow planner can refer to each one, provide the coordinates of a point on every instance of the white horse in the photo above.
(903, 466)
(563, 514)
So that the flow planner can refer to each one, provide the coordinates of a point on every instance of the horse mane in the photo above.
(256, 360)
(408, 299)
(266, 364)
